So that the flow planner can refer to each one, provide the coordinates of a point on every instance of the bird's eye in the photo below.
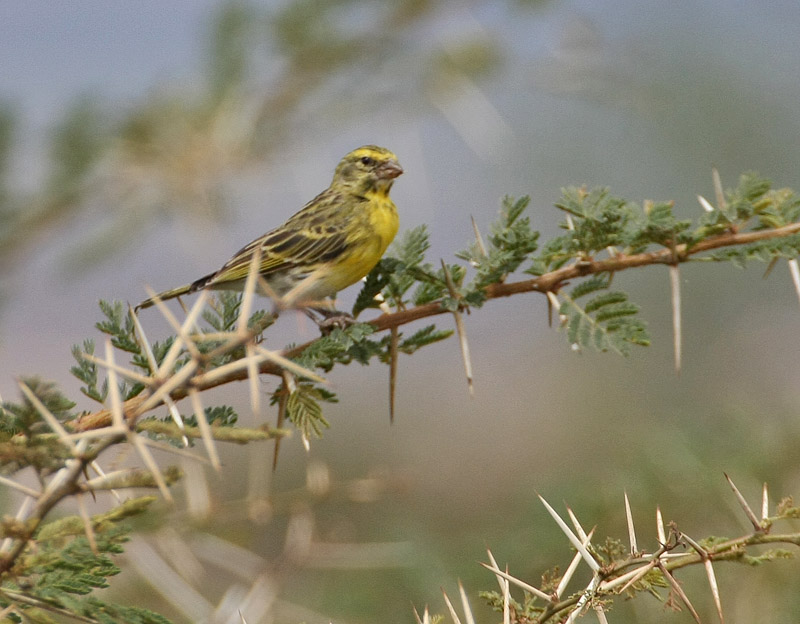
(366, 160)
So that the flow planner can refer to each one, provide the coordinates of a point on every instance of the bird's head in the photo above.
(367, 169)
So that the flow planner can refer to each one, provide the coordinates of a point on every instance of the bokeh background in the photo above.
(143, 143)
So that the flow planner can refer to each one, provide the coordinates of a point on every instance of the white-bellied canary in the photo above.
(334, 241)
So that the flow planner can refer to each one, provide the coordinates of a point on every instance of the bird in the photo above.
(331, 243)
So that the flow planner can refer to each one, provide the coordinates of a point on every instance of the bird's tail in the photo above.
(167, 294)
(187, 289)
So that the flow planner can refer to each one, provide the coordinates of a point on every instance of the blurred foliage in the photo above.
(61, 575)
(174, 152)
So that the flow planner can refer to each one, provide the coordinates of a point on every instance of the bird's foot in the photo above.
(332, 319)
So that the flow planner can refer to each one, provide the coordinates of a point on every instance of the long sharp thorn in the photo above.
(579, 530)
(141, 338)
(718, 191)
(493, 561)
(188, 327)
(465, 604)
(278, 303)
(636, 576)
(121, 370)
(553, 304)
(462, 337)
(249, 290)
(292, 366)
(175, 350)
(46, 415)
(712, 581)
(88, 529)
(662, 534)
(252, 376)
(394, 336)
(522, 584)
(284, 397)
(601, 615)
(795, 271)
(178, 379)
(462, 334)
(748, 512)
(151, 360)
(118, 418)
(504, 587)
(679, 591)
(117, 410)
(18, 486)
(700, 550)
(770, 266)
(675, 284)
(453, 613)
(631, 528)
(764, 502)
(705, 204)
(478, 238)
(205, 429)
(562, 585)
(152, 466)
(587, 557)
(182, 331)
(506, 600)
(99, 471)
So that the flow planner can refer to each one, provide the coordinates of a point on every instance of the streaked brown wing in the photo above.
(315, 234)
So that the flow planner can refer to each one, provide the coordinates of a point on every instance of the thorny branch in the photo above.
(624, 575)
(548, 283)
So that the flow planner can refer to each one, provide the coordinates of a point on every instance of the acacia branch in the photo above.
(730, 550)
(548, 282)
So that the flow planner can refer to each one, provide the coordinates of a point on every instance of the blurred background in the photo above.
(143, 143)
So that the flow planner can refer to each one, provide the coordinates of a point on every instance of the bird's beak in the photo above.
(390, 170)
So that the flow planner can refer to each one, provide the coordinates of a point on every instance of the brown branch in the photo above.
(549, 282)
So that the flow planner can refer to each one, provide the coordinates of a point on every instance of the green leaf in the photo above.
(590, 285)
(222, 312)
(425, 336)
(304, 411)
(510, 242)
(65, 571)
(604, 300)
(377, 279)
(86, 372)
(118, 325)
(607, 321)
(24, 417)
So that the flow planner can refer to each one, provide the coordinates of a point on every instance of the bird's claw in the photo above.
(339, 320)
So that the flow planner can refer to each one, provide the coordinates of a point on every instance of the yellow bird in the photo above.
(334, 241)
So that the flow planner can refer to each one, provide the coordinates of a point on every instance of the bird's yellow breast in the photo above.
(377, 232)
(383, 219)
